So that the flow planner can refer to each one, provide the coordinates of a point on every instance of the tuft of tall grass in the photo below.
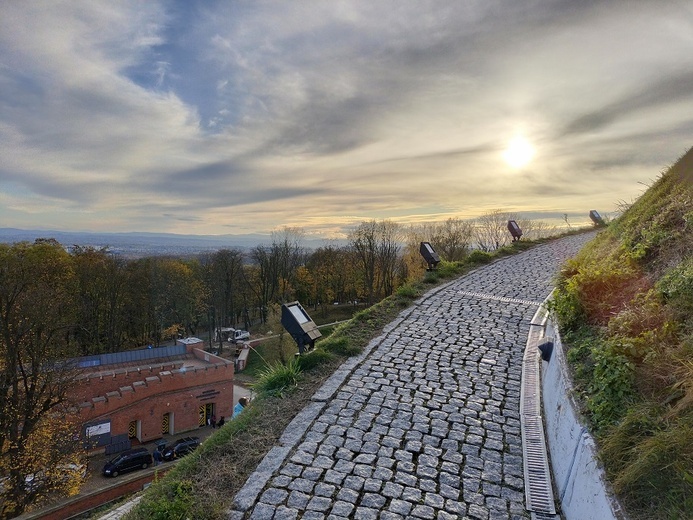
(275, 379)
(657, 474)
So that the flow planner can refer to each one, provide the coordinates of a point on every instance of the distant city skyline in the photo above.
(213, 118)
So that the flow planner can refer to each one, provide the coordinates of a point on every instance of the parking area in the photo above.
(97, 484)
(95, 478)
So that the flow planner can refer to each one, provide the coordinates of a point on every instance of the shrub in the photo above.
(407, 291)
(478, 257)
(175, 501)
(431, 277)
(448, 269)
(644, 313)
(567, 309)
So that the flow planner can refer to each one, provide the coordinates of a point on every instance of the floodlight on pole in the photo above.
(430, 255)
(302, 328)
(596, 218)
(515, 230)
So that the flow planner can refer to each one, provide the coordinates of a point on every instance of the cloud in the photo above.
(663, 91)
(195, 116)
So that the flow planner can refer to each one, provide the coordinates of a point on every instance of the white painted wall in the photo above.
(581, 487)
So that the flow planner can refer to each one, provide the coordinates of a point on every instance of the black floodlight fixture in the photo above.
(430, 255)
(514, 229)
(596, 218)
(296, 321)
(546, 348)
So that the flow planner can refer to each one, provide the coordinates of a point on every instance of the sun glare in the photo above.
(518, 153)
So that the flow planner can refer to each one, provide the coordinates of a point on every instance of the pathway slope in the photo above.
(426, 422)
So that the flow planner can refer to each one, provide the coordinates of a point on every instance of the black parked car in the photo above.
(137, 458)
(181, 447)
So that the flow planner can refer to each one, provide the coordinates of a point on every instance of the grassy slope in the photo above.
(625, 305)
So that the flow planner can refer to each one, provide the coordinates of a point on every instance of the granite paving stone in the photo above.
(425, 423)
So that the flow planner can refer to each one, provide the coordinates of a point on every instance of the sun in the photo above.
(518, 153)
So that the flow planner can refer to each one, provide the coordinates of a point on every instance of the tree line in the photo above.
(118, 304)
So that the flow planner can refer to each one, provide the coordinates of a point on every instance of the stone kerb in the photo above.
(579, 479)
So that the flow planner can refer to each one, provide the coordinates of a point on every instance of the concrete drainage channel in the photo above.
(579, 480)
(538, 490)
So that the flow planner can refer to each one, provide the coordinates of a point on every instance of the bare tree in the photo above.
(491, 229)
(287, 248)
(377, 245)
(223, 273)
(274, 275)
(535, 229)
(452, 238)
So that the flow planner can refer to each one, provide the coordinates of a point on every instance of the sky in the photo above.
(233, 117)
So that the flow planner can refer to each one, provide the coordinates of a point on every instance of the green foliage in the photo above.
(604, 375)
(567, 309)
(625, 303)
(431, 277)
(611, 389)
(653, 463)
(478, 257)
(174, 502)
(448, 269)
(277, 378)
(313, 359)
(676, 287)
(579, 352)
(597, 284)
(407, 291)
(340, 345)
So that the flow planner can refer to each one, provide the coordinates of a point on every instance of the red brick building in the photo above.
(140, 396)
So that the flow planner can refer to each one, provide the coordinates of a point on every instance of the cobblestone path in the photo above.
(426, 422)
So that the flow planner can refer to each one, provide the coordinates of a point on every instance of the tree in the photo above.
(37, 316)
(139, 310)
(223, 277)
(272, 278)
(377, 245)
(290, 255)
(452, 238)
(263, 278)
(101, 280)
(491, 229)
(178, 294)
(535, 229)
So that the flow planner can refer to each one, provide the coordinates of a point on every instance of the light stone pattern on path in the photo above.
(426, 423)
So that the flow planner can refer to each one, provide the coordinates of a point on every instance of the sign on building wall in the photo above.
(97, 434)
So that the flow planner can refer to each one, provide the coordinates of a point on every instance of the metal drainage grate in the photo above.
(538, 490)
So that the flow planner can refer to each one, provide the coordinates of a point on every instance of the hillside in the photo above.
(625, 306)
